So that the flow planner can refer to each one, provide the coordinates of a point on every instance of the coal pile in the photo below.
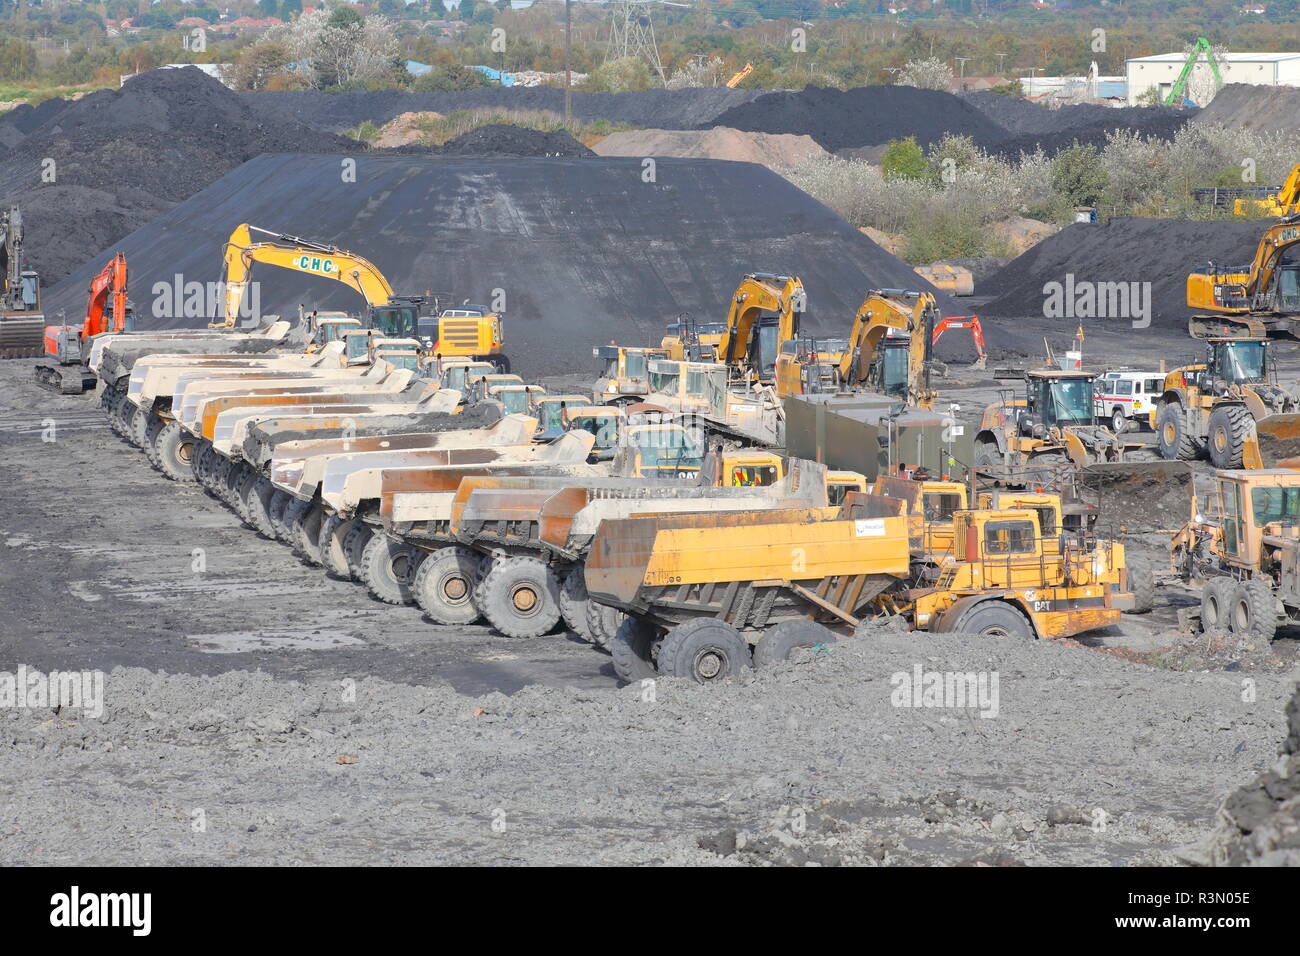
(866, 116)
(1261, 821)
(22, 119)
(1159, 251)
(1162, 126)
(582, 249)
(1021, 117)
(1261, 108)
(660, 109)
(123, 157)
(500, 139)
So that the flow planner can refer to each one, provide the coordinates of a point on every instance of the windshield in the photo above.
(635, 364)
(1069, 401)
(1276, 505)
(396, 321)
(670, 448)
(895, 371)
(1288, 289)
(28, 286)
(604, 427)
(1241, 361)
(664, 382)
(939, 506)
(515, 402)
(767, 349)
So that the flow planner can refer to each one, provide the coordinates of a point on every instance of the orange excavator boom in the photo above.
(109, 285)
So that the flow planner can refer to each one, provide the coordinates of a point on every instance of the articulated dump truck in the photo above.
(708, 595)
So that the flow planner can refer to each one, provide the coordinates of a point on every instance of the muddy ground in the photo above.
(257, 711)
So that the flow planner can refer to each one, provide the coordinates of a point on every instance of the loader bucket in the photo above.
(1277, 443)
(1140, 497)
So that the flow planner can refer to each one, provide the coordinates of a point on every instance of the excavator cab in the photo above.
(888, 374)
(399, 319)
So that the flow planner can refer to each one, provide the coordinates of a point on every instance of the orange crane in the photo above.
(107, 310)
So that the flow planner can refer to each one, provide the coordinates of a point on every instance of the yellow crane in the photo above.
(740, 75)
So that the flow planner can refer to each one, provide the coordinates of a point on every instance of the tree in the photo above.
(1078, 175)
(619, 75)
(257, 64)
(927, 74)
(903, 159)
(268, 8)
(360, 51)
(449, 79)
(290, 9)
(344, 17)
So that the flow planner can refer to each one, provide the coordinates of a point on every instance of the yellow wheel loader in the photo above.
(1242, 547)
(1229, 408)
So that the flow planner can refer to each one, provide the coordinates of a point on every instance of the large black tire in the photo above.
(1253, 612)
(1226, 439)
(124, 410)
(232, 480)
(986, 453)
(1118, 421)
(994, 619)
(1174, 435)
(354, 546)
(306, 528)
(279, 504)
(521, 597)
(444, 586)
(603, 623)
(137, 425)
(705, 650)
(1216, 603)
(333, 557)
(152, 429)
(388, 569)
(573, 603)
(1142, 582)
(257, 502)
(778, 641)
(631, 649)
(174, 446)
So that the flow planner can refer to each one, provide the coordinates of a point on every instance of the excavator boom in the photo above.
(298, 255)
(913, 313)
(749, 344)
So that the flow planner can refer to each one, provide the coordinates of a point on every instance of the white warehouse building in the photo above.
(1256, 69)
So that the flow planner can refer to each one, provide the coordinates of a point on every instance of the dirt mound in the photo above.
(1023, 118)
(1263, 108)
(122, 157)
(866, 116)
(767, 149)
(501, 139)
(1159, 251)
(660, 109)
(1260, 823)
(401, 131)
(582, 249)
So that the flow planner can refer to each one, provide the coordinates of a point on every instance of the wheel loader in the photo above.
(625, 377)
(700, 590)
(1241, 546)
(1053, 424)
(1226, 407)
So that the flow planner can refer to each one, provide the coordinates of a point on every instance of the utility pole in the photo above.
(568, 71)
(961, 60)
(1001, 57)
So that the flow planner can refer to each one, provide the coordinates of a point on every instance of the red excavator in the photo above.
(66, 346)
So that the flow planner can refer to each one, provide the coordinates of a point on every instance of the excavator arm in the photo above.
(884, 309)
(1246, 290)
(298, 255)
(759, 293)
(109, 285)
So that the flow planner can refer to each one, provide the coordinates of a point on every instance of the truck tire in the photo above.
(986, 453)
(1253, 611)
(333, 532)
(354, 546)
(306, 527)
(1227, 435)
(1118, 421)
(573, 603)
(994, 619)
(1174, 438)
(1142, 582)
(704, 650)
(152, 429)
(279, 505)
(1216, 603)
(779, 641)
(631, 649)
(444, 586)
(521, 597)
(175, 446)
(244, 495)
(388, 569)
(257, 501)
(603, 623)
(136, 426)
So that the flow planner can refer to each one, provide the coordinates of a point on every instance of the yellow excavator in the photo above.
(467, 331)
(887, 352)
(765, 311)
(1284, 202)
(1262, 298)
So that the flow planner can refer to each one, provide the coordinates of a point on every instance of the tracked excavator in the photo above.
(1284, 202)
(765, 311)
(466, 331)
(67, 347)
(1262, 298)
(21, 321)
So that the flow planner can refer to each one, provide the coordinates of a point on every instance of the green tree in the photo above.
(344, 17)
(1078, 175)
(903, 159)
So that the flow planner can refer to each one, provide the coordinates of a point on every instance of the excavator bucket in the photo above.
(1275, 443)
(1140, 496)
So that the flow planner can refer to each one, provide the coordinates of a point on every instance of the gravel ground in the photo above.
(256, 711)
